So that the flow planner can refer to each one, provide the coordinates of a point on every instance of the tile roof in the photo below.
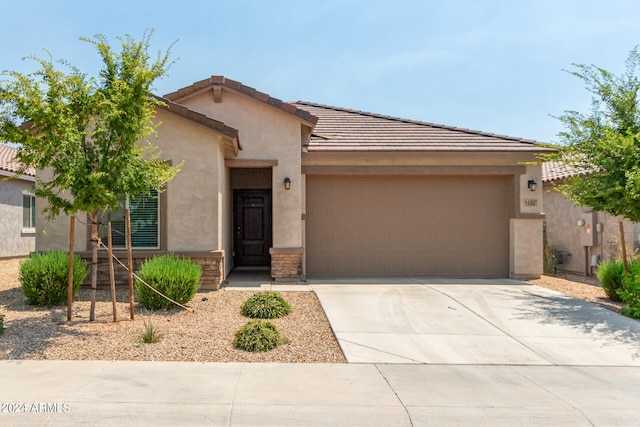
(212, 81)
(9, 162)
(553, 171)
(341, 129)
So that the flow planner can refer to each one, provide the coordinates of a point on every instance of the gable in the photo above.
(229, 135)
(268, 133)
(215, 85)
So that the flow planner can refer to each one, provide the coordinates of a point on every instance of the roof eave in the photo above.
(17, 176)
(231, 135)
(237, 87)
(533, 150)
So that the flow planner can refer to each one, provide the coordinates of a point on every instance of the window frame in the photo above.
(159, 229)
(31, 227)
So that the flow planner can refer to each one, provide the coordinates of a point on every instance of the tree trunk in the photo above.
(624, 247)
(94, 263)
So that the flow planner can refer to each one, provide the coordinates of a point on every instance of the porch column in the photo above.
(525, 248)
(286, 264)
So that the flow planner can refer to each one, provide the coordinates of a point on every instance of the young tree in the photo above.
(88, 134)
(605, 144)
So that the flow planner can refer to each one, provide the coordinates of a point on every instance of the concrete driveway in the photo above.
(473, 322)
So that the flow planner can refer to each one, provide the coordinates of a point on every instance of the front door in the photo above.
(252, 228)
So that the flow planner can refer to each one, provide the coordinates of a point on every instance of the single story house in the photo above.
(581, 238)
(309, 190)
(17, 207)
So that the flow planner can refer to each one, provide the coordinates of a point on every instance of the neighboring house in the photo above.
(579, 236)
(17, 207)
(308, 190)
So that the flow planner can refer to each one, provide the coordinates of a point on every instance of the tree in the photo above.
(604, 144)
(88, 133)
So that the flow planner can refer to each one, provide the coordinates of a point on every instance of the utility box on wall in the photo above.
(587, 226)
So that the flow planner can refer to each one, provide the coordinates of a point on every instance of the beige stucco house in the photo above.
(17, 207)
(308, 190)
(580, 237)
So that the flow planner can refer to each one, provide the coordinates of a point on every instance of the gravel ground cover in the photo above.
(586, 288)
(204, 335)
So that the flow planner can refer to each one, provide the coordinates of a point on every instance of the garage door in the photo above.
(433, 226)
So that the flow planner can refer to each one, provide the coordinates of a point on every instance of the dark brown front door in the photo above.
(252, 227)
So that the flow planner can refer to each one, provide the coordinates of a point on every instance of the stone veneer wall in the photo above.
(212, 264)
(286, 263)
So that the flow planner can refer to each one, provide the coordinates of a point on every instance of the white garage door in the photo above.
(432, 226)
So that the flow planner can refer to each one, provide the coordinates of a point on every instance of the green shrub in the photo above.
(1, 323)
(265, 305)
(610, 275)
(150, 334)
(45, 277)
(177, 278)
(258, 335)
(630, 291)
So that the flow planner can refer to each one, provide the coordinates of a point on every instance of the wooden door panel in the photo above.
(252, 227)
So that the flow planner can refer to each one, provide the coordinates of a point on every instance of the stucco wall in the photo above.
(266, 133)
(193, 197)
(563, 233)
(525, 248)
(13, 241)
(526, 245)
(531, 201)
(54, 235)
(194, 211)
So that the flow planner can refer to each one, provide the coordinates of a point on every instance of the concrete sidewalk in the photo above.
(101, 393)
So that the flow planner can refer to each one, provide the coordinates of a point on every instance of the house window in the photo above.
(28, 210)
(636, 237)
(145, 213)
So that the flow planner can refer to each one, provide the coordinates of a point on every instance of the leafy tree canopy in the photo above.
(605, 142)
(88, 133)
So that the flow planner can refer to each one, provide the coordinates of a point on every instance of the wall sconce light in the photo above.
(532, 185)
(287, 183)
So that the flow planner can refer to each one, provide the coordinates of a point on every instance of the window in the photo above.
(28, 210)
(145, 232)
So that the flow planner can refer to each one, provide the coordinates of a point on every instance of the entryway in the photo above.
(244, 277)
(252, 228)
(252, 218)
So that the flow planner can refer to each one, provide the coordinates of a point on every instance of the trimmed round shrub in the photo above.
(258, 335)
(177, 278)
(265, 305)
(610, 275)
(45, 278)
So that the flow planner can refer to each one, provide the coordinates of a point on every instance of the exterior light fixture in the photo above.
(532, 185)
(287, 183)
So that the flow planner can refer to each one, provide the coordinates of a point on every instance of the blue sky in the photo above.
(490, 65)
